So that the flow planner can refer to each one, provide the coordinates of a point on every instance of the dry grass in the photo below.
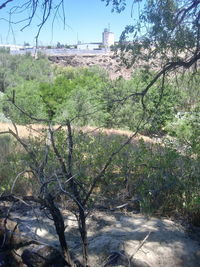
(118, 132)
(24, 131)
(25, 185)
(36, 130)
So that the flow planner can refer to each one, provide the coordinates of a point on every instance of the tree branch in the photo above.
(5, 3)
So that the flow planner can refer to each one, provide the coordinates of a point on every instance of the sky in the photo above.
(85, 21)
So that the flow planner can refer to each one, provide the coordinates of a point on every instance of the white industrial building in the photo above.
(107, 41)
(108, 38)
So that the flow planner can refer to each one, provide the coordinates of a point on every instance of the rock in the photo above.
(9, 259)
(42, 256)
(152, 241)
(9, 236)
(105, 61)
(7, 229)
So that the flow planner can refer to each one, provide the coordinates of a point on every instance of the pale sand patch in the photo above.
(167, 244)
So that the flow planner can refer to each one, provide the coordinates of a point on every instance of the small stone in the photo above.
(42, 256)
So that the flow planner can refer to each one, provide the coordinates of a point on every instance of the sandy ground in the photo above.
(149, 241)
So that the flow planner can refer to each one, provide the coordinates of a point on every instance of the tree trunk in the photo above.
(60, 229)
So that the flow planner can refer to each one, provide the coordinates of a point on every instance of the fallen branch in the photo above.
(140, 245)
(12, 198)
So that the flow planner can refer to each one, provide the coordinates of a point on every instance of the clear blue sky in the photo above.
(84, 18)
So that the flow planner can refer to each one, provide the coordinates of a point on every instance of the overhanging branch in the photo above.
(5, 3)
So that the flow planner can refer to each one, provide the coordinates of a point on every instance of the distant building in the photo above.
(108, 38)
(107, 41)
(12, 47)
(94, 48)
(88, 46)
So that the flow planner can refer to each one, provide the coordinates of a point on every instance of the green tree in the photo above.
(14, 69)
(26, 96)
(55, 94)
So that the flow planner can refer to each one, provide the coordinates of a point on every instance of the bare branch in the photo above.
(57, 153)
(166, 69)
(70, 148)
(68, 194)
(140, 245)
(5, 3)
(16, 178)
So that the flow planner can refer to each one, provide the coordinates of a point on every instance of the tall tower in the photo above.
(107, 38)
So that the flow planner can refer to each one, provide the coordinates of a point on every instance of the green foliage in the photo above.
(162, 179)
(4, 50)
(55, 94)
(14, 69)
(12, 163)
(161, 107)
(7, 71)
(186, 129)
(22, 74)
(185, 126)
(31, 69)
(74, 93)
(89, 97)
(117, 5)
(165, 179)
(122, 111)
(28, 99)
(188, 87)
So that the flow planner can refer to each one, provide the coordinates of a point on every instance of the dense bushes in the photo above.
(14, 70)
(164, 181)
(164, 177)
(157, 175)
(89, 97)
